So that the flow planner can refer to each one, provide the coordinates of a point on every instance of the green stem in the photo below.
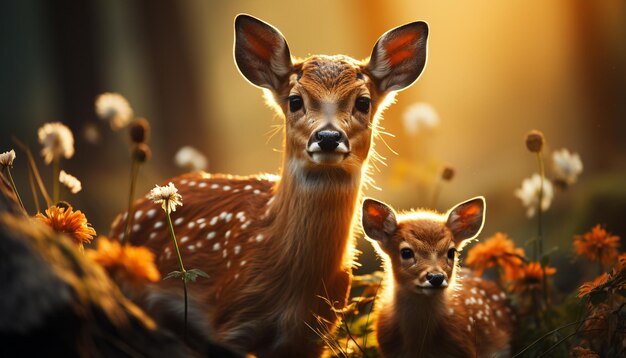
(31, 181)
(542, 176)
(134, 170)
(15, 189)
(55, 180)
(180, 259)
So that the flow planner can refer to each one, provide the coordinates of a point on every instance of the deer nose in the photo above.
(328, 140)
(435, 279)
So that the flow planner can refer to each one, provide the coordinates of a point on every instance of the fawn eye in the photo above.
(295, 103)
(451, 253)
(362, 104)
(406, 253)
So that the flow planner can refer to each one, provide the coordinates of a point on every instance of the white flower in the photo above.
(7, 158)
(189, 157)
(113, 107)
(167, 196)
(70, 182)
(529, 194)
(57, 140)
(419, 115)
(567, 166)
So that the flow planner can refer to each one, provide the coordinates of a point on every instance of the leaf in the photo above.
(192, 275)
(173, 274)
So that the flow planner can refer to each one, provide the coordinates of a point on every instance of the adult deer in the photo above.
(273, 245)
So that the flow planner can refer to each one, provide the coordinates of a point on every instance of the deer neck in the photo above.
(421, 315)
(312, 214)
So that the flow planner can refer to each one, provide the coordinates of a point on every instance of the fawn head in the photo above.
(329, 103)
(422, 246)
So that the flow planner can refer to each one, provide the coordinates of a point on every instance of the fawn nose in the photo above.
(435, 279)
(328, 139)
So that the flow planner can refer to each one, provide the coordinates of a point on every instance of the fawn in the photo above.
(273, 245)
(428, 309)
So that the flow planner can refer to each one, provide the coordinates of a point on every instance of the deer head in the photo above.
(329, 103)
(422, 246)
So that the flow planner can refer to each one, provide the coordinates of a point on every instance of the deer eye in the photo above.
(295, 103)
(362, 104)
(406, 253)
(451, 253)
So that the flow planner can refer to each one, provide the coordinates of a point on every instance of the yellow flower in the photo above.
(531, 278)
(497, 251)
(70, 222)
(597, 245)
(134, 264)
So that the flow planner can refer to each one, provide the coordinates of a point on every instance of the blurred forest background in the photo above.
(495, 71)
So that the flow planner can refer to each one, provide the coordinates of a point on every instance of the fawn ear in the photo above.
(379, 220)
(399, 56)
(261, 53)
(466, 219)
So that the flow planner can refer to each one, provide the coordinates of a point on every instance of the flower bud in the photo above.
(534, 141)
(142, 153)
(140, 130)
(448, 173)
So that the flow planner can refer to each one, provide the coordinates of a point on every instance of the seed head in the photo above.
(140, 130)
(142, 153)
(534, 141)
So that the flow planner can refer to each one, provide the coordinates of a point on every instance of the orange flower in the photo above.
(580, 352)
(497, 251)
(587, 287)
(70, 222)
(531, 278)
(597, 245)
(134, 264)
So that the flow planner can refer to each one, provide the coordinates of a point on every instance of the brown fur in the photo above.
(293, 244)
(468, 318)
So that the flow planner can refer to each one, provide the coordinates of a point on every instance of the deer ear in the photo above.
(261, 53)
(379, 220)
(399, 56)
(466, 219)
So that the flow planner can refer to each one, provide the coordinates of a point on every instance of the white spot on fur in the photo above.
(236, 276)
(226, 187)
(223, 215)
(202, 185)
(216, 246)
(213, 221)
(178, 221)
(247, 187)
(243, 262)
(257, 191)
(211, 235)
(199, 244)
(184, 239)
(153, 235)
(201, 220)
(158, 224)
(237, 249)
(224, 253)
(495, 297)
(228, 264)
(227, 234)
(151, 213)
(192, 183)
(184, 181)
(201, 226)
(214, 186)
(191, 247)
(138, 214)
(136, 227)
(191, 225)
(259, 238)
(229, 217)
